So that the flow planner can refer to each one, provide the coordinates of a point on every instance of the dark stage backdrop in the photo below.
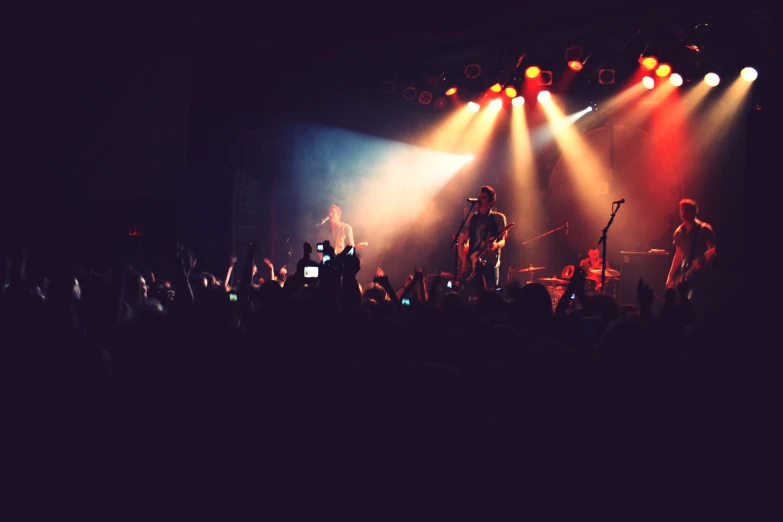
(107, 151)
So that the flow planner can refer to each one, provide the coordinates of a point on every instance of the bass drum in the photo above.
(555, 293)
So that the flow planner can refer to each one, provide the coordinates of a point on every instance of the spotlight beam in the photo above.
(589, 170)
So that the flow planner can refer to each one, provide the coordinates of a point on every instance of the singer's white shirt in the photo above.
(340, 236)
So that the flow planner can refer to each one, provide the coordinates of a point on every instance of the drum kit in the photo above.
(556, 286)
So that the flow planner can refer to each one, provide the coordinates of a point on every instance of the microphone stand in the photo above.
(456, 240)
(603, 242)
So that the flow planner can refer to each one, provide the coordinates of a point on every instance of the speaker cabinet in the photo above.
(653, 267)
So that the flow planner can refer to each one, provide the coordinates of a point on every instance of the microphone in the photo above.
(619, 202)
(472, 200)
(324, 220)
(566, 227)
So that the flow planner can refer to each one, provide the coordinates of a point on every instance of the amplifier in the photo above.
(652, 266)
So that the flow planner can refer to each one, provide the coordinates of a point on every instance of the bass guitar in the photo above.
(477, 257)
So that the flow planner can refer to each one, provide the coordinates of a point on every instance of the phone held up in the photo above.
(406, 301)
(319, 247)
(311, 272)
(232, 297)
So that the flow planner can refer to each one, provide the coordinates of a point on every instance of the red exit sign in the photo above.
(134, 232)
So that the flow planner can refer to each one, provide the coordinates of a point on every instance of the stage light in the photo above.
(676, 79)
(469, 157)
(496, 87)
(648, 82)
(545, 78)
(593, 106)
(606, 76)
(532, 72)
(749, 74)
(425, 97)
(544, 96)
(711, 79)
(388, 87)
(511, 92)
(496, 104)
(575, 65)
(473, 107)
(473, 70)
(574, 53)
(699, 39)
(648, 62)
(663, 70)
(451, 90)
(519, 101)
(440, 103)
(409, 93)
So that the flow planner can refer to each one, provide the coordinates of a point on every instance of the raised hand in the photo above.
(578, 280)
(182, 258)
(645, 294)
(351, 265)
(378, 272)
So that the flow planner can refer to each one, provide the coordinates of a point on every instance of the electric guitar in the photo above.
(477, 257)
(688, 270)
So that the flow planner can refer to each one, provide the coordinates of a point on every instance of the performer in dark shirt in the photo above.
(481, 227)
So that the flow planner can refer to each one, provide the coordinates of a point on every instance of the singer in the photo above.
(479, 230)
(338, 233)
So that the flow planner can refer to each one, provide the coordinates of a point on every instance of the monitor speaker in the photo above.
(653, 267)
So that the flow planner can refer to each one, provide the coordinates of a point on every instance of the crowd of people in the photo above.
(174, 392)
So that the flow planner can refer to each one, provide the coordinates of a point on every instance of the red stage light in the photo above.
(511, 92)
(496, 87)
(576, 65)
(663, 70)
(532, 71)
(451, 90)
(606, 76)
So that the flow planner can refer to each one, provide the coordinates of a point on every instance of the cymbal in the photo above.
(610, 272)
(552, 281)
(528, 269)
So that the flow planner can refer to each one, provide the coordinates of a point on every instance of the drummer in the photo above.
(593, 260)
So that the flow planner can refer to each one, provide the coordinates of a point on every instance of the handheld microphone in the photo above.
(619, 201)
(566, 227)
(324, 220)
(472, 200)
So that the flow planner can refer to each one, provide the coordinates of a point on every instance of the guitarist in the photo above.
(481, 227)
(692, 239)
